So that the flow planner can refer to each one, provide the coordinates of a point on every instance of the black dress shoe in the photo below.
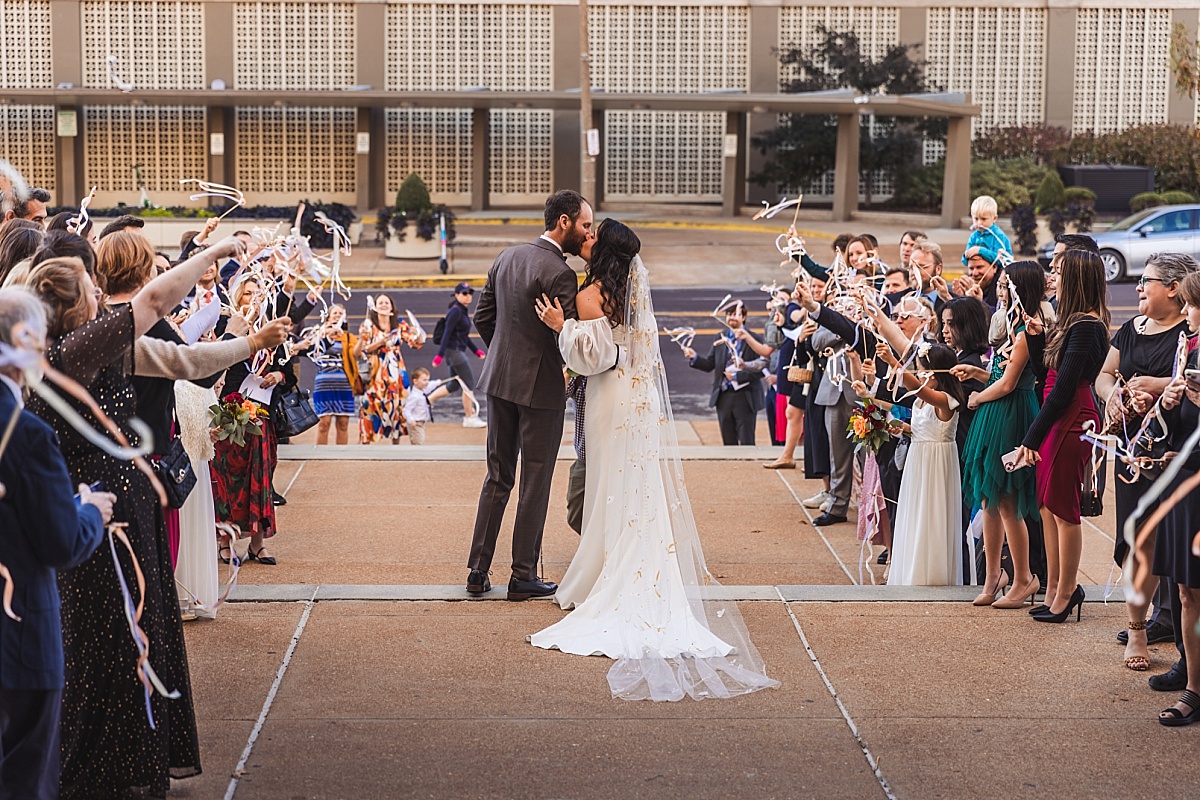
(478, 583)
(1173, 680)
(1155, 632)
(278, 499)
(535, 587)
(828, 519)
(883, 557)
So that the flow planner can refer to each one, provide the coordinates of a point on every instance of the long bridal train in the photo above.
(638, 584)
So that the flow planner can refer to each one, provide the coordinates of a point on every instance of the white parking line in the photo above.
(816, 528)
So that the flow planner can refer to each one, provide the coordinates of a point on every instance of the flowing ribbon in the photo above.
(124, 86)
(769, 211)
(133, 615)
(218, 190)
(77, 223)
(681, 336)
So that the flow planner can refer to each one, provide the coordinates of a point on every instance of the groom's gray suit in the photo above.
(523, 380)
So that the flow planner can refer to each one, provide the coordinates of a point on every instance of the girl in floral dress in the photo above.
(381, 337)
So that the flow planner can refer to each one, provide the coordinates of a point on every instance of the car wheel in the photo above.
(1114, 265)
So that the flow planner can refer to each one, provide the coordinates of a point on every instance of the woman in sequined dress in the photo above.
(382, 336)
(109, 746)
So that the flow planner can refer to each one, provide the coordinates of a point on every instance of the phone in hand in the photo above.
(1009, 460)
(98, 486)
(1192, 375)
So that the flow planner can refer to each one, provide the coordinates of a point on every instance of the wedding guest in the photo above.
(908, 241)
(896, 282)
(125, 222)
(456, 341)
(815, 270)
(987, 239)
(337, 379)
(1143, 355)
(18, 243)
(108, 747)
(418, 405)
(194, 240)
(32, 207)
(1062, 243)
(1074, 354)
(789, 415)
(737, 377)
(1004, 409)
(382, 337)
(862, 254)
(1174, 549)
(43, 528)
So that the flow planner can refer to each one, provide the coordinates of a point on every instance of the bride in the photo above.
(638, 584)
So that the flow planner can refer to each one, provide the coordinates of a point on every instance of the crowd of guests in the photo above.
(989, 383)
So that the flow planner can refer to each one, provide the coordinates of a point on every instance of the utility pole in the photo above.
(590, 138)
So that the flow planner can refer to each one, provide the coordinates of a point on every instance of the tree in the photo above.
(1185, 59)
(804, 147)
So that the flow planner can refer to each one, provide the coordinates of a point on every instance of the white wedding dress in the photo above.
(638, 585)
(927, 544)
(196, 578)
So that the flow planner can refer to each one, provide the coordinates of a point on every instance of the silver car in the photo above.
(1126, 245)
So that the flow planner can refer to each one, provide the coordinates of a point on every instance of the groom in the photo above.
(523, 380)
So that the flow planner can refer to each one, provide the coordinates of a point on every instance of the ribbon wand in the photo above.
(219, 190)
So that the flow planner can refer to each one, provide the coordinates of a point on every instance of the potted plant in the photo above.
(411, 228)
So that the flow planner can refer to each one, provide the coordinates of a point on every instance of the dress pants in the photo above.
(534, 435)
(576, 480)
(29, 748)
(736, 416)
(841, 457)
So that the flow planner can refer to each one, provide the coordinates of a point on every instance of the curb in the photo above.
(435, 281)
(745, 227)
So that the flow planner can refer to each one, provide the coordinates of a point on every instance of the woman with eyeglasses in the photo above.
(1074, 353)
(1135, 373)
(1004, 410)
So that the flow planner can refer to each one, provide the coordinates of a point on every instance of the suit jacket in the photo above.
(41, 530)
(523, 364)
(750, 373)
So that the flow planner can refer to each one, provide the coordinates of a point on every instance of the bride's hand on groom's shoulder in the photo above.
(550, 313)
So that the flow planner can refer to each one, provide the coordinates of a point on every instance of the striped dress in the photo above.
(332, 395)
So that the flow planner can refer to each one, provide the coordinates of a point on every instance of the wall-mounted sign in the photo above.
(593, 142)
(362, 144)
(68, 124)
(216, 144)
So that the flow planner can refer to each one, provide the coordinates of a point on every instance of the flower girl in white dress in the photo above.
(927, 544)
(638, 584)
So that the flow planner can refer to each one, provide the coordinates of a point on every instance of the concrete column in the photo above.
(1060, 67)
(66, 66)
(365, 177)
(567, 130)
(481, 135)
(764, 78)
(378, 161)
(845, 175)
(912, 29)
(216, 124)
(1181, 109)
(734, 179)
(956, 184)
(370, 54)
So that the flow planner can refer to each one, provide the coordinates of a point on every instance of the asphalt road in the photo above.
(687, 307)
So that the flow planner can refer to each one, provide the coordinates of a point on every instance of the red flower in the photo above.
(233, 397)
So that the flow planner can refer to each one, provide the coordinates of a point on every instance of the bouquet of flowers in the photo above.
(234, 417)
(869, 425)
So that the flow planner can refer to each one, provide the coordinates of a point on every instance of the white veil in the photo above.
(687, 659)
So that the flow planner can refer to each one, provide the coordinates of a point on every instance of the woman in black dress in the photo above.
(1175, 547)
(1143, 354)
(109, 746)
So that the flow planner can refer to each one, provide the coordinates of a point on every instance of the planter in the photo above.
(413, 246)
(354, 232)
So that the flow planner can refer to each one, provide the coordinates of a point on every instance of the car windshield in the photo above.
(1129, 222)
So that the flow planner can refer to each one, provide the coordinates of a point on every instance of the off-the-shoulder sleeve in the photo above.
(95, 344)
(587, 346)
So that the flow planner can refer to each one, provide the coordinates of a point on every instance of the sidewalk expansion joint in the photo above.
(415, 593)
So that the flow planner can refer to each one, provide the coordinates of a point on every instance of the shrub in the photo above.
(1177, 198)
(1172, 151)
(1140, 202)
(1011, 181)
(311, 227)
(1024, 225)
(919, 188)
(1083, 214)
(1079, 194)
(1051, 194)
(1057, 221)
(1047, 145)
(413, 196)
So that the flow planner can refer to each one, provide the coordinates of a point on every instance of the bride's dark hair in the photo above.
(615, 247)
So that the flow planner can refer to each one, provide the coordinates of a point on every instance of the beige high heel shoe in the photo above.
(1016, 599)
(987, 598)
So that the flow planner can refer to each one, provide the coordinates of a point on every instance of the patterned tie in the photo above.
(208, 296)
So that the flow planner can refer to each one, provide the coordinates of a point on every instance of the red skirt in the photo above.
(241, 479)
(1065, 455)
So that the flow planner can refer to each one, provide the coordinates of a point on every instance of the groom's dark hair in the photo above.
(564, 201)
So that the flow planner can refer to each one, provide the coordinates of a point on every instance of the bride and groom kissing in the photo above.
(638, 585)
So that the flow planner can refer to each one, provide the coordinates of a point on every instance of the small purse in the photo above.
(797, 374)
(293, 412)
(1091, 504)
(176, 474)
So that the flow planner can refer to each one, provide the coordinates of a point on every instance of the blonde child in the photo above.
(418, 404)
(987, 239)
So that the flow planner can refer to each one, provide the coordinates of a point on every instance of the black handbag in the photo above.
(292, 411)
(176, 474)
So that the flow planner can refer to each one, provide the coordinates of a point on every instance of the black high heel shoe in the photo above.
(1039, 609)
(265, 560)
(1075, 604)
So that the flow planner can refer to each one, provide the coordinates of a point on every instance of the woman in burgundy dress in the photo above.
(1073, 356)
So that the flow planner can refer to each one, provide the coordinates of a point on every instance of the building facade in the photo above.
(1096, 65)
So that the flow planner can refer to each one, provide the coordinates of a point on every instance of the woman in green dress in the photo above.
(1004, 410)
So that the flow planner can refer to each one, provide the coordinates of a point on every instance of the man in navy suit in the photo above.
(737, 370)
(43, 528)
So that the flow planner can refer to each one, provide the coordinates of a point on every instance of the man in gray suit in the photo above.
(523, 380)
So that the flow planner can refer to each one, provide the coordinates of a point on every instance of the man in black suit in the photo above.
(42, 529)
(737, 370)
(523, 380)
